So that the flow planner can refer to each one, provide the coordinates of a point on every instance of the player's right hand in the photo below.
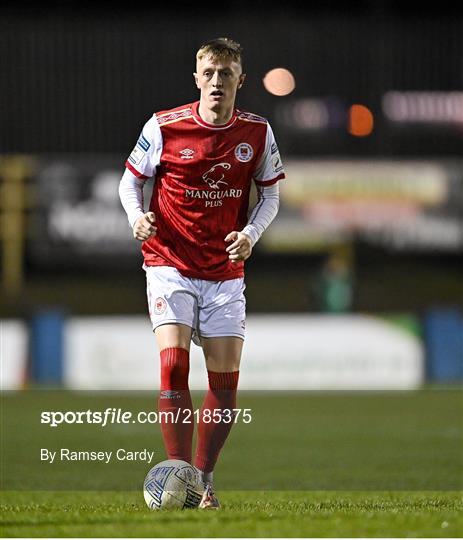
(144, 227)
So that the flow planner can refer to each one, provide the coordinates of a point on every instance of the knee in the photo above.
(174, 372)
(170, 336)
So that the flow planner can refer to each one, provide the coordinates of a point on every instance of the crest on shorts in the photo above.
(244, 152)
(159, 305)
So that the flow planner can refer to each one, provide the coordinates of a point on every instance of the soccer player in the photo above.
(195, 238)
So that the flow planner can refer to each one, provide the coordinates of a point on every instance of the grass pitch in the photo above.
(384, 464)
(244, 514)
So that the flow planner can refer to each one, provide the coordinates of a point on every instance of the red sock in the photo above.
(175, 398)
(211, 435)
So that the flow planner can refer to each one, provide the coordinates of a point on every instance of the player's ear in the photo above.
(241, 80)
(195, 75)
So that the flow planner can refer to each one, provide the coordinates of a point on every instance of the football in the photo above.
(172, 484)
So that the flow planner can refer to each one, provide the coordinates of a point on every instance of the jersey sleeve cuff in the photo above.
(252, 233)
(270, 181)
(134, 171)
(133, 216)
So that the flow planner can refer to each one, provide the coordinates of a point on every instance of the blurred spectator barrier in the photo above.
(444, 344)
(281, 352)
(47, 346)
(13, 354)
(290, 352)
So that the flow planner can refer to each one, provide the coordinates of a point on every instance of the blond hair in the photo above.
(221, 48)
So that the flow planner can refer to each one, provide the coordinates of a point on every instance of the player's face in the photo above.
(218, 81)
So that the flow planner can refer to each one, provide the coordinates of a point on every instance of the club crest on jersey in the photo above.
(244, 152)
(159, 305)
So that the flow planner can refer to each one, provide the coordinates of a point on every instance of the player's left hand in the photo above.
(241, 247)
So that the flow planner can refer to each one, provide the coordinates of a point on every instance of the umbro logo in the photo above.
(187, 153)
(169, 394)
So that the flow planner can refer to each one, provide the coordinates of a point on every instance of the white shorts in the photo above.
(210, 308)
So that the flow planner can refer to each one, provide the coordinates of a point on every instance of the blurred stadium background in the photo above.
(358, 283)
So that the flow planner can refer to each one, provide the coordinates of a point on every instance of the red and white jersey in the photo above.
(203, 176)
